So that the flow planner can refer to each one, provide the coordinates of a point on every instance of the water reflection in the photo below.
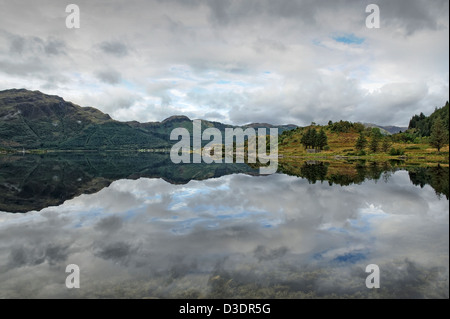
(34, 182)
(237, 236)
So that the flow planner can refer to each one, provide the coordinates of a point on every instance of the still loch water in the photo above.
(139, 227)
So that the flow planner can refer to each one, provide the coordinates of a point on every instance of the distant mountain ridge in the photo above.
(34, 120)
(387, 129)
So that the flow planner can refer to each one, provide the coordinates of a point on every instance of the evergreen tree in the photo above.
(439, 135)
(374, 144)
(361, 142)
(322, 139)
(313, 138)
(306, 138)
(421, 125)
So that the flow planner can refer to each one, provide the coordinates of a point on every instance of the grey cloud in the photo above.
(413, 16)
(114, 48)
(54, 47)
(109, 224)
(220, 101)
(30, 256)
(17, 44)
(214, 116)
(34, 57)
(262, 254)
(234, 67)
(32, 66)
(33, 45)
(54, 82)
(237, 41)
(228, 12)
(262, 44)
(109, 76)
(119, 252)
(112, 99)
(161, 90)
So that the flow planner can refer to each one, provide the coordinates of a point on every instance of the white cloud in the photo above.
(246, 61)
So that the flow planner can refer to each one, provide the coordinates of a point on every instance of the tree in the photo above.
(313, 138)
(376, 132)
(309, 139)
(305, 140)
(374, 144)
(386, 144)
(439, 135)
(322, 139)
(361, 142)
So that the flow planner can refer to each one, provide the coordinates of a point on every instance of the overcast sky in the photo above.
(234, 61)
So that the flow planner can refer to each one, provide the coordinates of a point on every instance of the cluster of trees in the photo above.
(376, 143)
(405, 137)
(345, 127)
(312, 139)
(421, 125)
(435, 127)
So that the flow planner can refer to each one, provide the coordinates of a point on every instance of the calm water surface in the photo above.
(230, 236)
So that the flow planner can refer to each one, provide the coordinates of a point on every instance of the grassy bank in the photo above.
(342, 145)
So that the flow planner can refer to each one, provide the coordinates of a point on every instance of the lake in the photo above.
(138, 226)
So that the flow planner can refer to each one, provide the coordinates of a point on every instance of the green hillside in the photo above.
(420, 125)
(33, 120)
(342, 140)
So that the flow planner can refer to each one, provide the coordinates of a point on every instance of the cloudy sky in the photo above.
(234, 61)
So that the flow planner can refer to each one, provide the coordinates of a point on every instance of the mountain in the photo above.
(281, 128)
(33, 120)
(421, 124)
(388, 129)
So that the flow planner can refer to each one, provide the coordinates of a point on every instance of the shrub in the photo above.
(396, 152)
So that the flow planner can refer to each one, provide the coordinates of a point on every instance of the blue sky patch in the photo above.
(223, 82)
(348, 38)
(350, 258)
